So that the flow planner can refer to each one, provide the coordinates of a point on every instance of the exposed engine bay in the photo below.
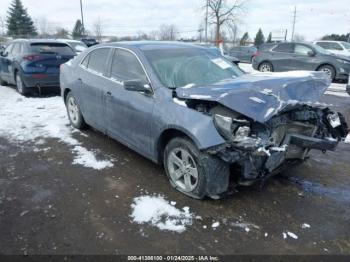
(260, 150)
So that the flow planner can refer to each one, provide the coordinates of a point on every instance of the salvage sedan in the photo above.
(199, 115)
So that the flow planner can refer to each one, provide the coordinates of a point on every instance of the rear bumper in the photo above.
(42, 80)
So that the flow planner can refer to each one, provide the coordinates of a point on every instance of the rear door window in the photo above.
(302, 49)
(125, 66)
(284, 48)
(97, 60)
(330, 45)
(51, 48)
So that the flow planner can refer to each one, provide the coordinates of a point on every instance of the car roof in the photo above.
(153, 45)
(69, 40)
(33, 41)
(328, 41)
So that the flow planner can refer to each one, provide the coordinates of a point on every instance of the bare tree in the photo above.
(168, 32)
(44, 27)
(61, 32)
(98, 29)
(223, 13)
(153, 35)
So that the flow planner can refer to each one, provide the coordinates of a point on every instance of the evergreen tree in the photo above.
(19, 23)
(269, 38)
(244, 39)
(259, 38)
(78, 30)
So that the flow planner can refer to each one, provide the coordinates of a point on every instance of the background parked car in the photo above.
(77, 46)
(348, 86)
(335, 47)
(243, 53)
(89, 41)
(302, 56)
(33, 63)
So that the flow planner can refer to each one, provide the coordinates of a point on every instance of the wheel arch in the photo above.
(167, 135)
(326, 64)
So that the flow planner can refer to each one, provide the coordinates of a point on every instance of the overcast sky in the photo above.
(315, 18)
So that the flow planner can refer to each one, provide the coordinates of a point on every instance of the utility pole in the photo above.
(294, 20)
(206, 22)
(82, 16)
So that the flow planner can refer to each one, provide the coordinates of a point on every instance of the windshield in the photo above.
(191, 66)
(346, 45)
(321, 50)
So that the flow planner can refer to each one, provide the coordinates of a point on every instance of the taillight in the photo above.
(31, 57)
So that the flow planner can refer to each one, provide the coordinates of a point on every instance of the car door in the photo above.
(91, 87)
(5, 63)
(129, 113)
(281, 57)
(302, 58)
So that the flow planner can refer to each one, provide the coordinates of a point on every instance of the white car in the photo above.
(335, 47)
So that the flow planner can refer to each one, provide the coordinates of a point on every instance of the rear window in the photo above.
(51, 48)
(284, 48)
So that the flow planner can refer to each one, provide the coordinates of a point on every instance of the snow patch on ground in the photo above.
(34, 119)
(158, 212)
(347, 139)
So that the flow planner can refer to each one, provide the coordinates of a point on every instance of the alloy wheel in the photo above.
(73, 110)
(182, 169)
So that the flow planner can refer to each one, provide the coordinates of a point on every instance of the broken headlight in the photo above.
(224, 125)
(231, 129)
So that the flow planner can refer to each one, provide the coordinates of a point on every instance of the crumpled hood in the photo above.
(260, 96)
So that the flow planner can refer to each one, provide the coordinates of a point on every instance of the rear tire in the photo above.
(21, 87)
(74, 114)
(329, 70)
(265, 67)
(195, 173)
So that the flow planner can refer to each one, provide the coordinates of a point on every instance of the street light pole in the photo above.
(82, 16)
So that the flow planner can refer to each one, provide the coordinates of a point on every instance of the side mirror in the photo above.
(137, 86)
(311, 53)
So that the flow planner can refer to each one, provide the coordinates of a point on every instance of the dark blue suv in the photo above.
(33, 63)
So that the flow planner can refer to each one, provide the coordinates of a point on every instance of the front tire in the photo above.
(194, 173)
(265, 67)
(329, 70)
(74, 114)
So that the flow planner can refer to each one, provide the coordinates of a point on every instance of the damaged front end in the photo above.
(262, 149)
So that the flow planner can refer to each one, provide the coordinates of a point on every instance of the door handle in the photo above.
(109, 93)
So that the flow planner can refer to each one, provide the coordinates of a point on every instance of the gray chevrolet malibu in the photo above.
(187, 108)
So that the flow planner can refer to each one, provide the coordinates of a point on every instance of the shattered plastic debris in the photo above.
(264, 150)
(280, 149)
(158, 212)
(284, 235)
